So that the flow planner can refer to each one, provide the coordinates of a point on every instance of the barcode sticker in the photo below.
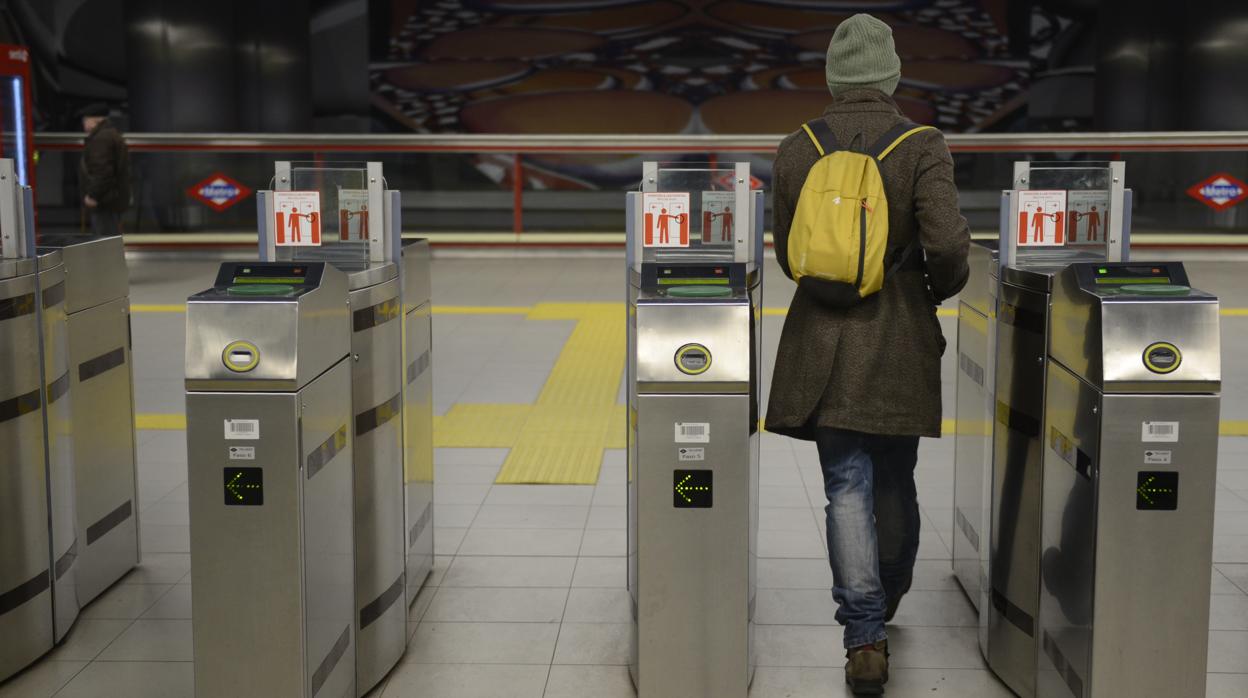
(1159, 432)
(242, 429)
(693, 432)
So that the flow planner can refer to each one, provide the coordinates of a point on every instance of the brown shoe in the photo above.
(866, 672)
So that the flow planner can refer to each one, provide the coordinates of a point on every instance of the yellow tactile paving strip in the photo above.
(560, 438)
(566, 430)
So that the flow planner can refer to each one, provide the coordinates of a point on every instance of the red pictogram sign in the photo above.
(219, 191)
(1219, 192)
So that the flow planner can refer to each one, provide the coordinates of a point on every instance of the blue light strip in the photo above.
(19, 119)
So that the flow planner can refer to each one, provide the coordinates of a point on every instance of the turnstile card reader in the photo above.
(269, 443)
(693, 489)
(1129, 479)
(693, 441)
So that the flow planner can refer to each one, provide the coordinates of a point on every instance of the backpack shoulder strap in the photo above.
(893, 138)
(821, 135)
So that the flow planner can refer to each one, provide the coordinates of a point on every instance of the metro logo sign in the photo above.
(1219, 192)
(219, 191)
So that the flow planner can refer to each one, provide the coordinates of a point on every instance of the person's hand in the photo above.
(91, 203)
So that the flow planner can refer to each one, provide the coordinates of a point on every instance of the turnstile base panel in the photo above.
(972, 456)
(104, 446)
(1127, 553)
(58, 425)
(273, 584)
(25, 595)
(418, 440)
(380, 549)
(1017, 468)
(693, 569)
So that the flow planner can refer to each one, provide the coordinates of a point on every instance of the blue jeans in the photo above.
(873, 525)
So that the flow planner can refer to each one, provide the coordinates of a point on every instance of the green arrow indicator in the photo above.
(684, 489)
(234, 486)
(1146, 490)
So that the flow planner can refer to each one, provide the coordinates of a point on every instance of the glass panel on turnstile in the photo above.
(1063, 214)
(689, 214)
(343, 218)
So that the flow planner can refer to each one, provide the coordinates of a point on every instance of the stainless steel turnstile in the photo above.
(370, 253)
(1018, 335)
(25, 591)
(972, 476)
(97, 304)
(418, 413)
(269, 443)
(693, 445)
(1130, 451)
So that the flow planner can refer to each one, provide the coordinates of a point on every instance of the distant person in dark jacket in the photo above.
(104, 172)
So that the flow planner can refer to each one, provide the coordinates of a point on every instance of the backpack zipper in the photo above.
(862, 240)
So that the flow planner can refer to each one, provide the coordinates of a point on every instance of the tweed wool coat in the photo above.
(875, 367)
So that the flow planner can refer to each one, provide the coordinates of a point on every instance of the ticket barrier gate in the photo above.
(1009, 478)
(1130, 453)
(101, 381)
(38, 598)
(693, 443)
(387, 304)
(269, 445)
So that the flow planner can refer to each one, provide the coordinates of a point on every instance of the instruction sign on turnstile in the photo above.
(297, 218)
(666, 219)
(1041, 218)
(717, 217)
(353, 214)
(1087, 214)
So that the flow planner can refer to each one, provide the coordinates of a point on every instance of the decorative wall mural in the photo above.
(674, 66)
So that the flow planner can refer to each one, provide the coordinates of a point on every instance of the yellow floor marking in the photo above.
(560, 438)
(169, 422)
(1233, 427)
(564, 437)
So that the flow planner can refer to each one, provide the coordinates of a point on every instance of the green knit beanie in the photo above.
(861, 54)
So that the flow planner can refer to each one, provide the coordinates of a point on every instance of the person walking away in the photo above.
(103, 172)
(862, 380)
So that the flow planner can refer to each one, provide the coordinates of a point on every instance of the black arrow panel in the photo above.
(244, 487)
(692, 489)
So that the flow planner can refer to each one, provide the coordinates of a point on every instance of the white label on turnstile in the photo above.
(1157, 457)
(693, 432)
(242, 452)
(689, 453)
(242, 429)
(1160, 432)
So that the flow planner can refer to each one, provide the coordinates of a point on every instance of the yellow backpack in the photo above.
(839, 235)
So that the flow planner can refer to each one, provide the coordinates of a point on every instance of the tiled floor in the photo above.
(527, 596)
